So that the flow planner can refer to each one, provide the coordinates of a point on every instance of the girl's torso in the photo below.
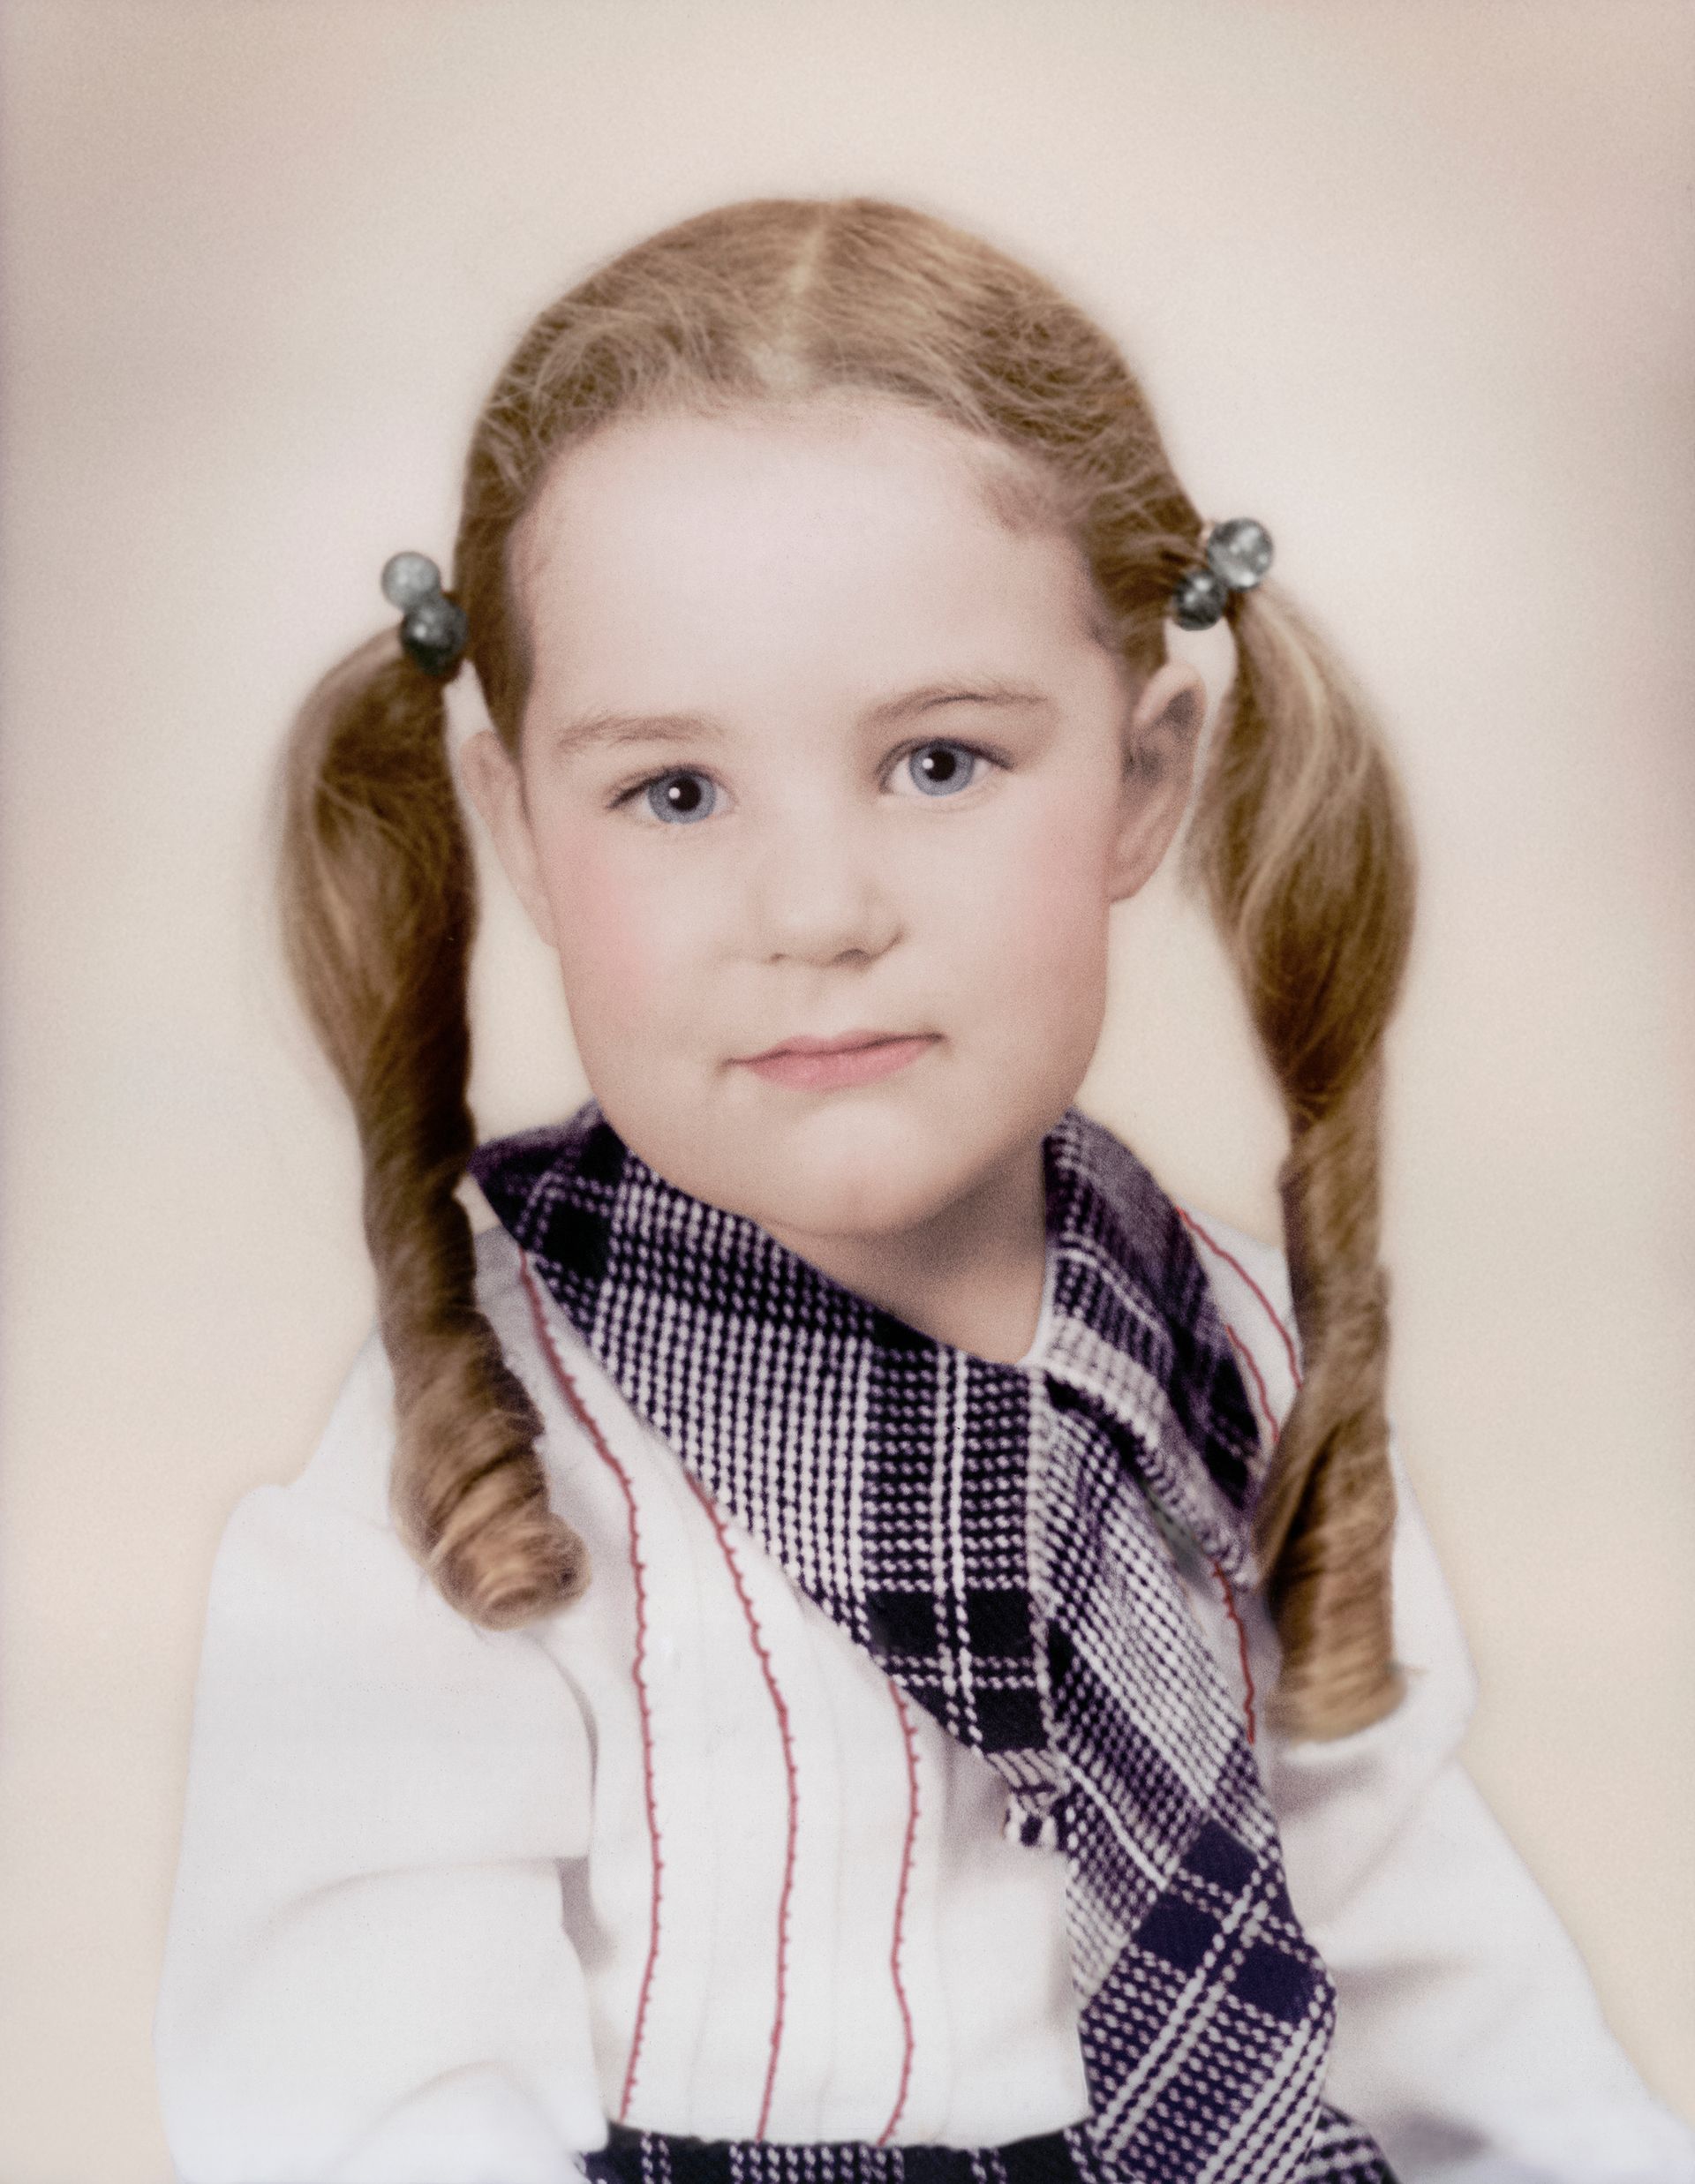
(800, 1917)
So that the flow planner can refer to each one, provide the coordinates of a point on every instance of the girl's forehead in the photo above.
(866, 454)
(790, 520)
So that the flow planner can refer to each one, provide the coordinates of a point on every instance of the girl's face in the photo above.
(818, 748)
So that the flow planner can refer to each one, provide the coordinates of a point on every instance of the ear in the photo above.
(1159, 746)
(496, 787)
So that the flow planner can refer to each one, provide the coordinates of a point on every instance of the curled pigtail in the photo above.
(1305, 854)
(378, 897)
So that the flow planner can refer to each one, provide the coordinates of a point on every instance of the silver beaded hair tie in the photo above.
(1239, 552)
(433, 629)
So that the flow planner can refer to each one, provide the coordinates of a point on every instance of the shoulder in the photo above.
(349, 1470)
(323, 1630)
(1249, 1280)
(323, 1549)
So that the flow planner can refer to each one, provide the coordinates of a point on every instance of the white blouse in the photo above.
(683, 1856)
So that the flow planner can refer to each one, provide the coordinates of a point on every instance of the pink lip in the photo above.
(822, 1064)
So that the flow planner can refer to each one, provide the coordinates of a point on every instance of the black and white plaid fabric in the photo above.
(993, 1537)
(1341, 2153)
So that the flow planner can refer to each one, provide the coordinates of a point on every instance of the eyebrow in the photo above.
(604, 729)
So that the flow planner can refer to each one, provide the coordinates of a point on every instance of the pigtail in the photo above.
(1300, 835)
(378, 898)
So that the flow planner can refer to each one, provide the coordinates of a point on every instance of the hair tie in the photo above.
(1237, 554)
(433, 629)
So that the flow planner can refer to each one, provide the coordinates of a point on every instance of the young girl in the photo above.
(847, 1636)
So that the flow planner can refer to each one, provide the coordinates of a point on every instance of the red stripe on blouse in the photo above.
(1231, 1260)
(900, 1913)
(586, 1420)
(1245, 1356)
(781, 1710)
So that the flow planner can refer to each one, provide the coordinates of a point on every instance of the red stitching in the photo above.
(777, 1701)
(1231, 1260)
(1244, 1356)
(1242, 1641)
(622, 1476)
(900, 1911)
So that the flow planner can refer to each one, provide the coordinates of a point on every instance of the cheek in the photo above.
(619, 937)
(1035, 915)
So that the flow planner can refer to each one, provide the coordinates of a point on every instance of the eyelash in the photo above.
(623, 796)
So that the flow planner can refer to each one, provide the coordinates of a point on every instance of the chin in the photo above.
(809, 1209)
(864, 1184)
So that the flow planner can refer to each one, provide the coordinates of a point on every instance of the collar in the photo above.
(658, 1281)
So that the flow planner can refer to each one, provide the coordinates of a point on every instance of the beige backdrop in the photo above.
(1410, 283)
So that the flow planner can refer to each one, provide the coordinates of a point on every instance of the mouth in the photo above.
(854, 1058)
(846, 1043)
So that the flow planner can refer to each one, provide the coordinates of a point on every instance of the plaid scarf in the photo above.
(992, 1534)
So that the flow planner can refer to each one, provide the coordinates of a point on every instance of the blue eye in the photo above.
(680, 796)
(942, 768)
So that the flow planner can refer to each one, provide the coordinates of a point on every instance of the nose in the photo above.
(820, 891)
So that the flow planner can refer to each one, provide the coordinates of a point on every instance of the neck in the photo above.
(971, 1275)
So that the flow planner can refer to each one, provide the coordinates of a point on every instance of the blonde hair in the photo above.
(1299, 835)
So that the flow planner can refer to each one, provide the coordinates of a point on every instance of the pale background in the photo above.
(1410, 283)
